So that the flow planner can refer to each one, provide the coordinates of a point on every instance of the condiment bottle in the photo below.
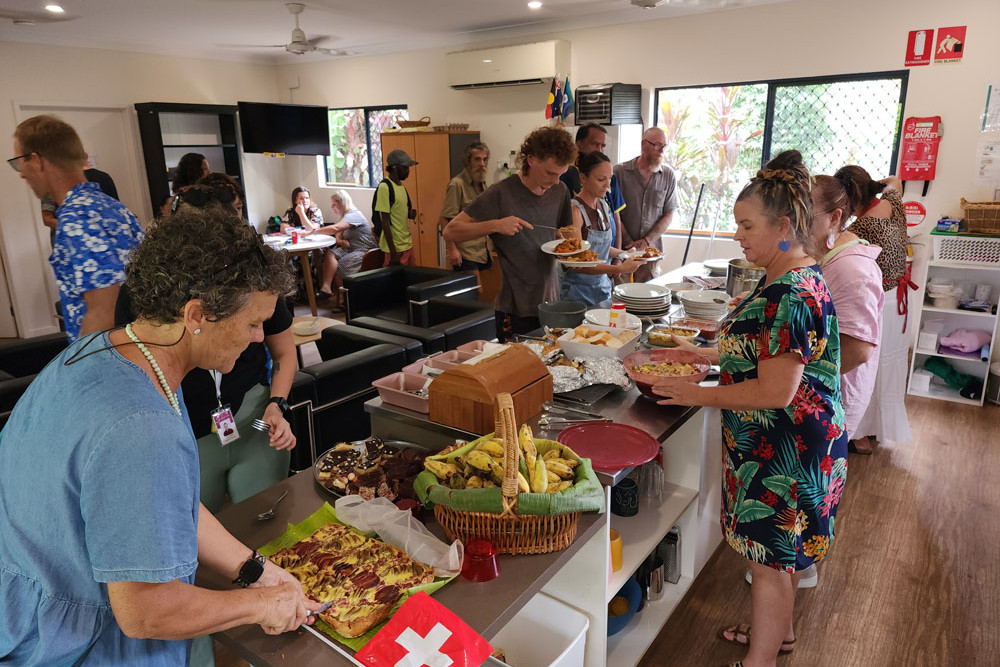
(295, 235)
(616, 319)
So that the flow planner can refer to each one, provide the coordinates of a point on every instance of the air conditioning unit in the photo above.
(609, 104)
(518, 65)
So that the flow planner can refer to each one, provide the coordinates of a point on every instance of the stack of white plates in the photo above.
(643, 299)
(706, 304)
(716, 267)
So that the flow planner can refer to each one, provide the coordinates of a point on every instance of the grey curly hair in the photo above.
(207, 254)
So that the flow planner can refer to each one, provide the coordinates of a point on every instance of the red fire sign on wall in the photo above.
(919, 46)
(950, 44)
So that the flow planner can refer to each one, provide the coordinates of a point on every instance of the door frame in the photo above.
(24, 109)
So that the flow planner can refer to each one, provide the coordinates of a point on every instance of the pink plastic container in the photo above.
(397, 389)
(472, 346)
(439, 362)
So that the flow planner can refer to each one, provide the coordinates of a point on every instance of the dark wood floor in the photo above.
(912, 578)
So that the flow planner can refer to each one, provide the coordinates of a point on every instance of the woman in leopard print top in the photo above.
(882, 222)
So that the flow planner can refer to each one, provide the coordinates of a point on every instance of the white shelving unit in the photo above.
(691, 498)
(959, 272)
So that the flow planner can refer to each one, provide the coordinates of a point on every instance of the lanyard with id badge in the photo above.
(223, 422)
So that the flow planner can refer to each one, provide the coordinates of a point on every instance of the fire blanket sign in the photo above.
(919, 46)
(921, 138)
(950, 45)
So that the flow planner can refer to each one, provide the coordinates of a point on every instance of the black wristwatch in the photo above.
(282, 403)
(251, 570)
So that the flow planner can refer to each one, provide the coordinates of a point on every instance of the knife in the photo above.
(323, 607)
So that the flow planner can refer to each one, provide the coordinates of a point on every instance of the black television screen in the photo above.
(292, 129)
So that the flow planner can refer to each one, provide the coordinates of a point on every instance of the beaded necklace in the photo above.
(171, 396)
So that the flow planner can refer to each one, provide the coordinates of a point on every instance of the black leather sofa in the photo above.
(449, 322)
(20, 362)
(352, 359)
(400, 293)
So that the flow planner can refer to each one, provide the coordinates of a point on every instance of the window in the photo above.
(720, 136)
(356, 144)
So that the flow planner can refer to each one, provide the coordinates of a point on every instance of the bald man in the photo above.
(650, 191)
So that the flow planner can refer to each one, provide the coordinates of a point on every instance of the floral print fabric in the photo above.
(93, 239)
(784, 469)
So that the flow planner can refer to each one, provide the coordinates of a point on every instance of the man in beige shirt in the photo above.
(472, 256)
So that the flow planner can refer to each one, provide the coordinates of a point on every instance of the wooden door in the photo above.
(434, 174)
(390, 142)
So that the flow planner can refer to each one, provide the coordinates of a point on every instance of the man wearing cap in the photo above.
(395, 240)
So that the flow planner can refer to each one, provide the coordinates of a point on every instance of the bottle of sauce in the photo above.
(617, 317)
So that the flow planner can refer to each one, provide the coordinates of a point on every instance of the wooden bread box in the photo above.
(463, 397)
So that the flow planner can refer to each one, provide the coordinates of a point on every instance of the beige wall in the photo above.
(807, 38)
(51, 76)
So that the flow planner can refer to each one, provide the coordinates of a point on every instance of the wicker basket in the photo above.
(510, 532)
(983, 217)
(409, 124)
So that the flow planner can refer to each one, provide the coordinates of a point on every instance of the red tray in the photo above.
(610, 447)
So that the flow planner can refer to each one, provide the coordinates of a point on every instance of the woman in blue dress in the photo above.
(594, 222)
(101, 529)
(783, 426)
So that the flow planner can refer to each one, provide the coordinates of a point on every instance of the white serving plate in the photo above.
(710, 298)
(550, 246)
(568, 263)
(717, 267)
(641, 291)
(601, 317)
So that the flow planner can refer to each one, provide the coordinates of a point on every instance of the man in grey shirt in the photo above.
(650, 191)
(520, 213)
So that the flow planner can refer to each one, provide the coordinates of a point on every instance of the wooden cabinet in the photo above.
(440, 157)
(168, 131)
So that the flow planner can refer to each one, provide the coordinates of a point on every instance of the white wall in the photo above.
(89, 77)
(795, 39)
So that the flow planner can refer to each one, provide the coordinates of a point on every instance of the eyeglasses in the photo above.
(655, 145)
(14, 162)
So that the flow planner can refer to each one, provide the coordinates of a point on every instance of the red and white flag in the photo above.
(424, 633)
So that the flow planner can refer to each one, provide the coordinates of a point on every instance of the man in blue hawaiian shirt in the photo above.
(95, 232)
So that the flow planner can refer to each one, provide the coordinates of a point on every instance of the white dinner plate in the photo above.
(626, 255)
(601, 317)
(570, 263)
(717, 267)
(642, 291)
(711, 298)
(550, 246)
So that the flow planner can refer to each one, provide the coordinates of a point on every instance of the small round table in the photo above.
(302, 249)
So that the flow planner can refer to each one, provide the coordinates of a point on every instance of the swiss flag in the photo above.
(424, 633)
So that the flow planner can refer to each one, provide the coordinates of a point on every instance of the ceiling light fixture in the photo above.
(55, 9)
(534, 4)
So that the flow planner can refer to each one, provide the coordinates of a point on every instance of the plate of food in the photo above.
(565, 247)
(582, 258)
(661, 336)
(648, 254)
(370, 468)
(665, 366)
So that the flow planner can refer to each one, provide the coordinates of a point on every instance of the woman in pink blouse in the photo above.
(855, 283)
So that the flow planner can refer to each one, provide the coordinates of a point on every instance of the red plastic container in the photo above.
(481, 562)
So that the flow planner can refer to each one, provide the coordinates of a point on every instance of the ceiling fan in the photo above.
(298, 45)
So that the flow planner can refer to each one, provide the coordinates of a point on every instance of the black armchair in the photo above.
(450, 322)
(400, 293)
(20, 362)
(352, 359)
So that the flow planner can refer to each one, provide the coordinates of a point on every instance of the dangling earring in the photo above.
(784, 245)
(197, 331)
(831, 240)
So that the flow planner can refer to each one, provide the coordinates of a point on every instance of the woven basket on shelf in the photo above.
(408, 124)
(510, 532)
(983, 217)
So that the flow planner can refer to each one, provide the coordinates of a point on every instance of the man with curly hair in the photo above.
(519, 214)
(94, 232)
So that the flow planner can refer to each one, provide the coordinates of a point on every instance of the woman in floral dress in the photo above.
(785, 446)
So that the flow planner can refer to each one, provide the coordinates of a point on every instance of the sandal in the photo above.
(743, 630)
(861, 446)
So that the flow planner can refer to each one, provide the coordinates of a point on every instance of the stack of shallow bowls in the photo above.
(643, 299)
(706, 304)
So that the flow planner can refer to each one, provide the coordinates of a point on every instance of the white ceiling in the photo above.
(202, 28)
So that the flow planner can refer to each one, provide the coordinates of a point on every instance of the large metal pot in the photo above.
(742, 276)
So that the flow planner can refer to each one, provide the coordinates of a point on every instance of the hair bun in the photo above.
(777, 175)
